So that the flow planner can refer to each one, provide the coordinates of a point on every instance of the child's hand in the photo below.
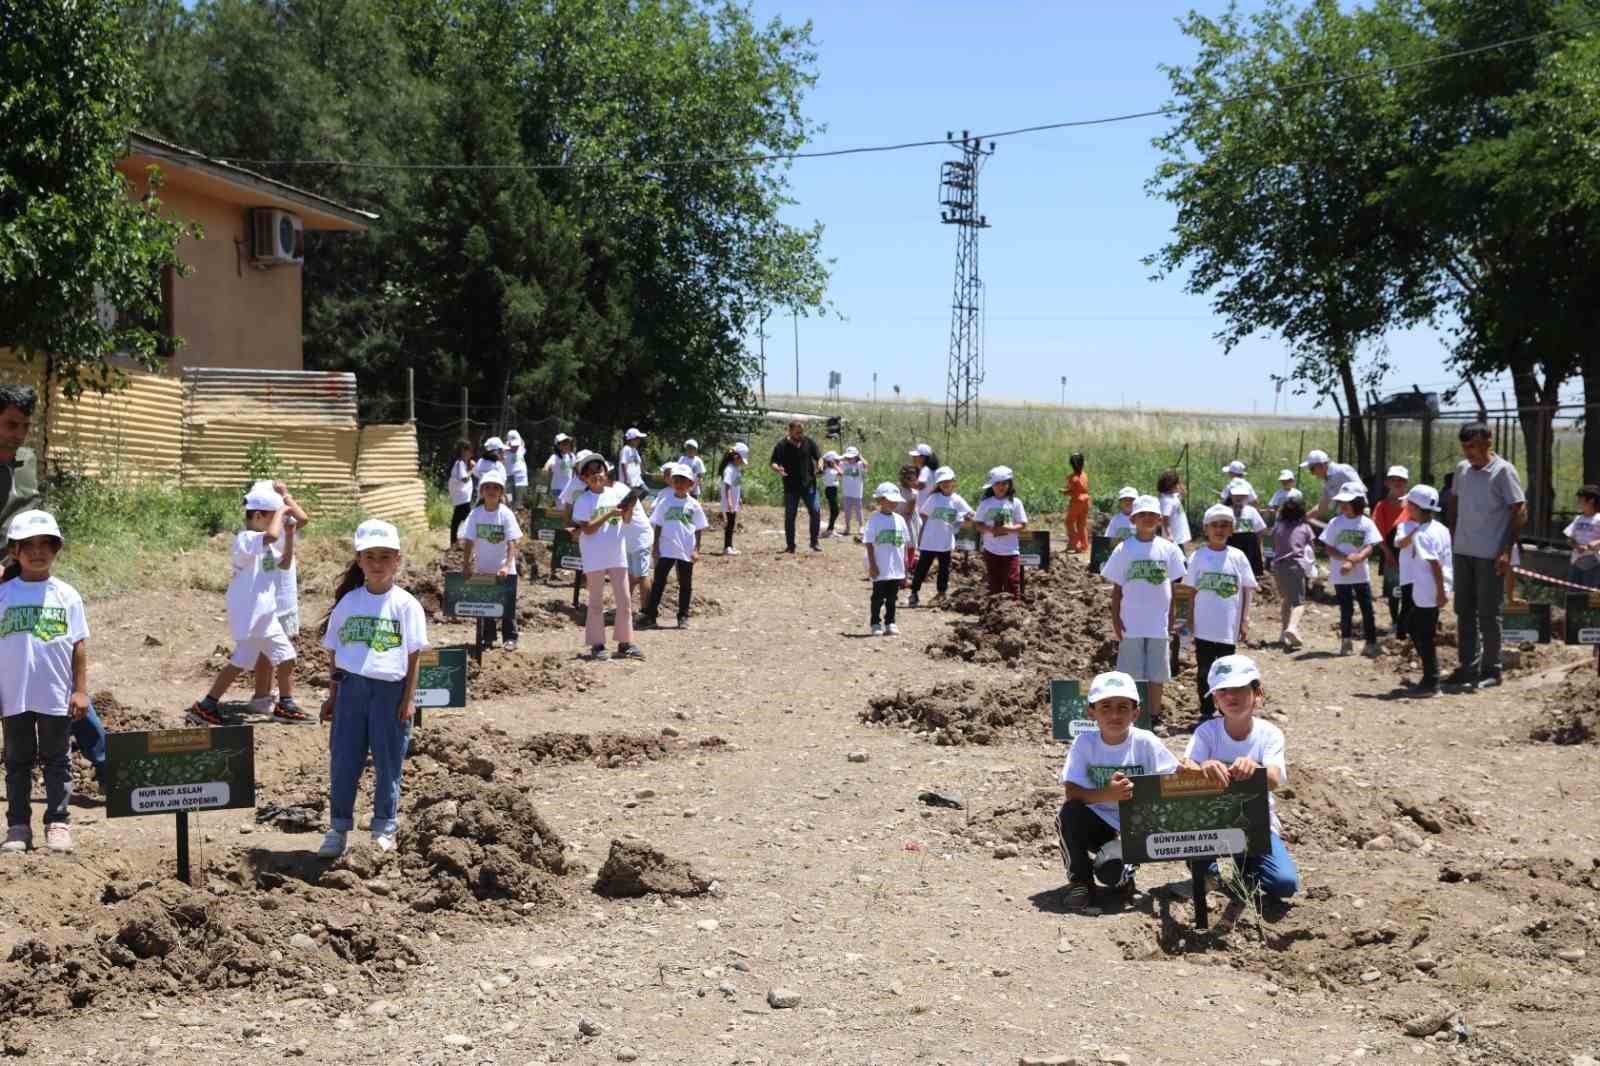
(281, 489)
(502, 572)
(1243, 767)
(1346, 565)
(78, 706)
(406, 711)
(326, 715)
(694, 556)
(1120, 787)
(1244, 628)
(1215, 770)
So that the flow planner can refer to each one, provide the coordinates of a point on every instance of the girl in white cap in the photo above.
(44, 683)
(1120, 528)
(517, 460)
(943, 512)
(927, 461)
(732, 479)
(598, 515)
(630, 464)
(886, 536)
(1427, 577)
(1351, 539)
(1000, 517)
(491, 457)
(559, 466)
(460, 488)
(253, 612)
(376, 633)
(697, 466)
(490, 537)
(1232, 747)
(853, 478)
(1223, 581)
(1248, 525)
(287, 567)
(830, 488)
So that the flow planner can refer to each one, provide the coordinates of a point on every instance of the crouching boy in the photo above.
(1095, 778)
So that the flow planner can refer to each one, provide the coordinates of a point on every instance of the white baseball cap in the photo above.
(513, 437)
(852, 452)
(1424, 496)
(1146, 505)
(683, 470)
(830, 454)
(1286, 475)
(666, 467)
(692, 443)
(923, 450)
(492, 477)
(1314, 457)
(1351, 490)
(1294, 494)
(1231, 671)
(633, 434)
(997, 475)
(263, 497)
(1236, 468)
(1218, 512)
(1112, 683)
(744, 449)
(583, 459)
(1127, 492)
(494, 444)
(888, 490)
(35, 523)
(376, 533)
(1240, 487)
(1400, 472)
(561, 437)
(944, 473)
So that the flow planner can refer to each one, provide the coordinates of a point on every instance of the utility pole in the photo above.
(763, 339)
(1063, 390)
(795, 314)
(874, 388)
(958, 206)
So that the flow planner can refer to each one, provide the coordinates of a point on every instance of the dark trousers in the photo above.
(1207, 652)
(1397, 597)
(1250, 544)
(729, 520)
(658, 586)
(458, 516)
(791, 505)
(1082, 832)
(925, 562)
(506, 624)
(1004, 574)
(832, 492)
(1349, 596)
(884, 595)
(1422, 624)
(1479, 592)
(32, 736)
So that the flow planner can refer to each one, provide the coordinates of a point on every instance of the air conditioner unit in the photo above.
(277, 237)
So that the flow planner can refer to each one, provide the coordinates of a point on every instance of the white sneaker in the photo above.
(891, 630)
(385, 841)
(877, 629)
(730, 551)
(263, 704)
(332, 844)
(58, 836)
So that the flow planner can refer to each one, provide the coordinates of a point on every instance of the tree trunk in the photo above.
(1536, 415)
(1358, 428)
(1591, 417)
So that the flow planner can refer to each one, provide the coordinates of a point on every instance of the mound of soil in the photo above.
(1028, 819)
(636, 869)
(967, 713)
(1335, 808)
(118, 717)
(453, 749)
(1571, 713)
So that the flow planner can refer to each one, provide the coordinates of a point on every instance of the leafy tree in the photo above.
(70, 236)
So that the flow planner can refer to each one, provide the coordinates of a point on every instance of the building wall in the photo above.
(229, 312)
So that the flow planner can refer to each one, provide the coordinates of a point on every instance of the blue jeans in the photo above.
(1274, 873)
(1590, 578)
(791, 506)
(89, 733)
(365, 718)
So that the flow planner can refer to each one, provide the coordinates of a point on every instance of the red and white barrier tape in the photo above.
(1534, 575)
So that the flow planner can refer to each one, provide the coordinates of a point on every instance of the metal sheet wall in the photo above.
(136, 432)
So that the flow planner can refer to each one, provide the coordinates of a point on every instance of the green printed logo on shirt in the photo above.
(682, 515)
(1001, 515)
(1101, 775)
(379, 634)
(1247, 525)
(944, 514)
(268, 562)
(491, 534)
(1147, 570)
(889, 536)
(1354, 538)
(852, 471)
(44, 623)
(1223, 584)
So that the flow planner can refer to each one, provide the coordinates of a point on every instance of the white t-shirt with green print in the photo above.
(1145, 569)
(888, 535)
(941, 516)
(853, 476)
(40, 623)
(375, 635)
(1091, 762)
(1350, 535)
(1219, 579)
(494, 535)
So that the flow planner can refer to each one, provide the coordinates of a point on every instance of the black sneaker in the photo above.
(205, 712)
(289, 712)
(913, 601)
(1425, 690)
(645, 621)
(599, 653)
(683, 623)
(816, 547)
(629, 651)
(1461, 675)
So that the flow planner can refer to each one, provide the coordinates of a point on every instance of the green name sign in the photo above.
(478, 596)
(1185, 815)
(171, 771)
(1525, 623)
(564, 552)
(1035, 548)
(1069, 710)
(442, 677)
(1100, 549)
(547, 522)
(1583, 618)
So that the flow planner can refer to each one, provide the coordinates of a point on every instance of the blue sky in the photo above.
(1067, 293)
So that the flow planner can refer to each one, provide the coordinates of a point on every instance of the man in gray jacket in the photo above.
(1486, 509)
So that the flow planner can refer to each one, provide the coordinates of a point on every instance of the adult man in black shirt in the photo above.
(796, 458)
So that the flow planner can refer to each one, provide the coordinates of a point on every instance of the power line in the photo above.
(1170, 109)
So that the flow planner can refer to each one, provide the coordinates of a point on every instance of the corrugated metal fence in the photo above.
(198, 430)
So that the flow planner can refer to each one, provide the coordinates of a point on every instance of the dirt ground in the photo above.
(718, 855)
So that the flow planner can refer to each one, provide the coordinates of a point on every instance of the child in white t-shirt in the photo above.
(376, 634)
(630, 464)
(697, 466)
(1286, 485)
(1143, 568)
(1120, 528)
(559, 466)
(1000, 517)
(1222, 579)
(492, 457)
(601, 514)
(831, 476)
(853, 480)
(517, 460)
(1427, 576)
(1248, 525)
(679, 520)
(460, 488)
(44, 686)
(1232, 747)
(1095, 778)
(1583, 533)
(1169, 494)
(1351, 537)
(942, 513)
(253, 612)
(886, 536)
(491, 535)
(284, 564)
(732, 479)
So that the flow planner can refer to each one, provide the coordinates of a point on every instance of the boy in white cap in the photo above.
(491, 457)
(253, 612)
(1351, 539)
(629, 462)
(516, 459)
(1334, 477)
(679, 521)
(1235, 471)
(1094, 779)
(886, 536)
(1143, 568)
(853, 479)
(1232, 747)
(559, 466)
(1427, 577)
(1387, 514)
(697, 466)
(376, 633)
(1222, 579)
(942, 513)
(490, 537)
(44, 686)
(831, 476)
(1120, 528)
(284, 563)
(732, 479)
